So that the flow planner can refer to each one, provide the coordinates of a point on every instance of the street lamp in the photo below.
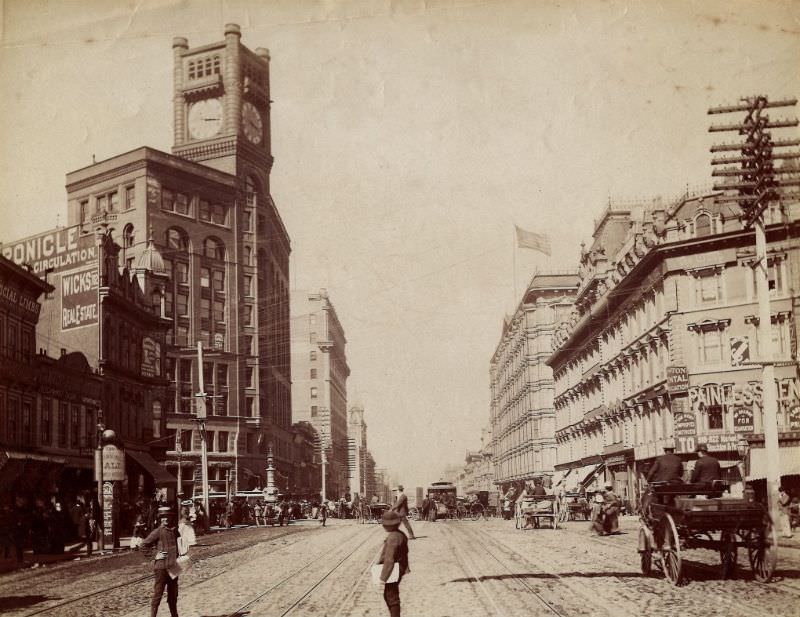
(743, 449)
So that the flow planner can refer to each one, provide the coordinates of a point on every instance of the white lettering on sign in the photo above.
(79, 303)
(57, 250)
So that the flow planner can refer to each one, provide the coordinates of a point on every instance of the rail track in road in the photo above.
(70, 602)
(310, 587)
(491, 587)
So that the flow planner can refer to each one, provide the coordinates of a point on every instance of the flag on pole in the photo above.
(531, 240)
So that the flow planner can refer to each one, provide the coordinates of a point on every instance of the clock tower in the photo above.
(221, 106)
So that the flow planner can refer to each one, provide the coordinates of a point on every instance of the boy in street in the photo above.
(164, 539)
(395, 550)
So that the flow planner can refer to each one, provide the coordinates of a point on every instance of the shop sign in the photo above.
(108, 511)
(716, 443)
(113, 464)
(740, 350)
(151, 358)
(729, 395)
(743, 420)
(12, 298)
(617, 459)
(677, 379)
(794, 417)
(685, 424)
(79, 301)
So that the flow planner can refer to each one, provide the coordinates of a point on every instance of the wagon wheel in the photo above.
(671, 551)
(728, 554)
(762, 550)
(518, 518)
(645, 554)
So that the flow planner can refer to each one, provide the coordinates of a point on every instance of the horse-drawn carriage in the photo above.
(678, 517)
(442, 496)
(531, 510)
(575, 507)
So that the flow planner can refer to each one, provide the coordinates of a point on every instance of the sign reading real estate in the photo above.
(79, 302)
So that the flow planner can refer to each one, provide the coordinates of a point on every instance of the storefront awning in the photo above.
(28, 469)
(560, 477)
(589, 477)
(789, 460)
(161, 477)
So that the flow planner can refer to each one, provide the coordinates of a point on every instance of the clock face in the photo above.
(252, 125)
(205, 118)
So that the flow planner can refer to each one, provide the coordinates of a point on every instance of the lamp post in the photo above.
(98, 472)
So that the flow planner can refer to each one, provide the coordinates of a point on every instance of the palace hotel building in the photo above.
(659, 346)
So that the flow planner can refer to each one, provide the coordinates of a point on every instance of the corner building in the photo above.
(226, 253)
(658, 348)
(521, 407)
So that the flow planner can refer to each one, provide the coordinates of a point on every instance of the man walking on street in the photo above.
(395, 550)
(401, 507)
(165, 539)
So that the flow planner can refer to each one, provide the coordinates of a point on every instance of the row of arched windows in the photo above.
(177, 240)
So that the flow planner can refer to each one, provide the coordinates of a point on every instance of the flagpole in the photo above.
(514, 254)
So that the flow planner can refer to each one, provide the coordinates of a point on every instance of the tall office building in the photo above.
(319, 386)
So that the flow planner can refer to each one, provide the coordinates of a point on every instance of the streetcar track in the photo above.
(150, 575)
(471, 575)
(547, 604)
(591, 595)
(314, 561)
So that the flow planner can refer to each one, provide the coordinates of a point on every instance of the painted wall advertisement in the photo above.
(79, 298)
(677, 379)
(68, 259)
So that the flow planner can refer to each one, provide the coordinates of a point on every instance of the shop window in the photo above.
(716, 417)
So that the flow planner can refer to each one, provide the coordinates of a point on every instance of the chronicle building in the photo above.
(661, 345)
(206, 208)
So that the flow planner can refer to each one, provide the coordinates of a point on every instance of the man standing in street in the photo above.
(401, 507)
(165, 540)
(706, 468)
(395, 550)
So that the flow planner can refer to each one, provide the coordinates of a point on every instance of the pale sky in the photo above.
(409, 137)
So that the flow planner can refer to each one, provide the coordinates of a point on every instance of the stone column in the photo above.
(232, 79)
(179, 47)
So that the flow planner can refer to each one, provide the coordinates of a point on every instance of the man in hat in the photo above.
(667, 468)
(707, 468)
(401, 507)
(165, 539)
(395, 550)
(610, 507)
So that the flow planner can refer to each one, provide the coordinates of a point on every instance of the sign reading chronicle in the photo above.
(70, 261)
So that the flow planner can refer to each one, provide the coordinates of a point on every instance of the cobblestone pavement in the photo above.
(464, 569)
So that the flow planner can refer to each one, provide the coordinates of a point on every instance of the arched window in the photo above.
(177, 240)
(128, 236)
(213, 248)
(702, 226)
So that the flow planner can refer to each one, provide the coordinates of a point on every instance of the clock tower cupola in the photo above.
(221, 105)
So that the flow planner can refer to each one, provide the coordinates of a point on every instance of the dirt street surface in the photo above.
(459, 569)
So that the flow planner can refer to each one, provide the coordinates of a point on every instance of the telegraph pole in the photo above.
(754, 185)
(201, 419)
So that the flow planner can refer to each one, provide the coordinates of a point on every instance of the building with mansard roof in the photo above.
(660, 345)
(521, 405)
